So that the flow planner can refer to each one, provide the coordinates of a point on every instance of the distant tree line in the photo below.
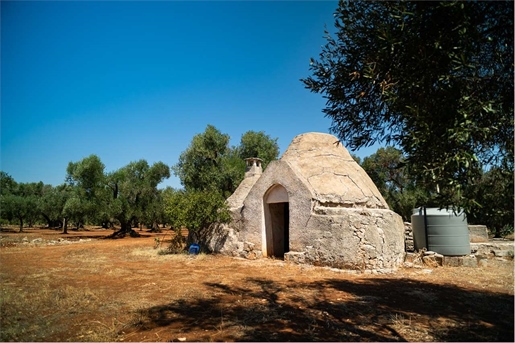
(126, 197)
(209, 169)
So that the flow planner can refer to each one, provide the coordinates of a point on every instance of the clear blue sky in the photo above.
(132, 80)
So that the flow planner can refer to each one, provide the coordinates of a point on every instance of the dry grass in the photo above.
(114, 290)
(37, 314)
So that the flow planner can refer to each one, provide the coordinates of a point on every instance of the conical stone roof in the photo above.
(329, 170)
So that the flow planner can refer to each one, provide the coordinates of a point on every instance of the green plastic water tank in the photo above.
(440, 231)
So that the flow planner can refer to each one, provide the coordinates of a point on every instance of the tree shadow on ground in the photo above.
(337, 310)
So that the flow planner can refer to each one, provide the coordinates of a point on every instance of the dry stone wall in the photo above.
(408, 237)
(360, 239)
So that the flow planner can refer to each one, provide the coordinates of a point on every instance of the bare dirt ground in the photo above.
(80, 287)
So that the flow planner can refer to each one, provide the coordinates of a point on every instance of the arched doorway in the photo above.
(277, 221)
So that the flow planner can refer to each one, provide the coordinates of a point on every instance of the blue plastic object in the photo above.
(194, 249)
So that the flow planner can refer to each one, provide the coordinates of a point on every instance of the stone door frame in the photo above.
(277, 219)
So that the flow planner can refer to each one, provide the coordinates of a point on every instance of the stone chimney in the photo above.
(253, 166)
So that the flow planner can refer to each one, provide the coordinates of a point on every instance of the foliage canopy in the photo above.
(433, 78)
(258, 144)
(133, 191)
(209, 163)
(19, 201)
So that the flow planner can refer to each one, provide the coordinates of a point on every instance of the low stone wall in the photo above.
(494, 248)
(480, 254)
(481, 247)
(408, 237)
(478, 233)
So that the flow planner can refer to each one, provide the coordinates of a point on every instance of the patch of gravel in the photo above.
(41, 241)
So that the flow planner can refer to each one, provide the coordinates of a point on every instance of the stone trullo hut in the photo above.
(315, 205)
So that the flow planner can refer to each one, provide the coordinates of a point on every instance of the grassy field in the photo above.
(80, 287)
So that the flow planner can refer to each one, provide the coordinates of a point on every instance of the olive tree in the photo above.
(195, 210)
(19, 202)
(52, 203)
(494, 195)
(201, 165)
(433, 78)
(258, 144)
(210, 171)
(133, 191)
(87, 182)
(210, 164)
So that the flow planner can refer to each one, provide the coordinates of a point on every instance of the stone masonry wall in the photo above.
(359, 239)
(408, 237)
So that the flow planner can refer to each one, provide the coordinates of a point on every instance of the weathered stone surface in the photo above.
(408, 237)
(493, 249)
(221, 238)
(295, 257)
(470, 261)
(503, 253)
(368, 247)
(236, 199)
(453, 261)
(248, 246)
(336, 217)
(478, 233)
(439, 259)
(339, 181)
